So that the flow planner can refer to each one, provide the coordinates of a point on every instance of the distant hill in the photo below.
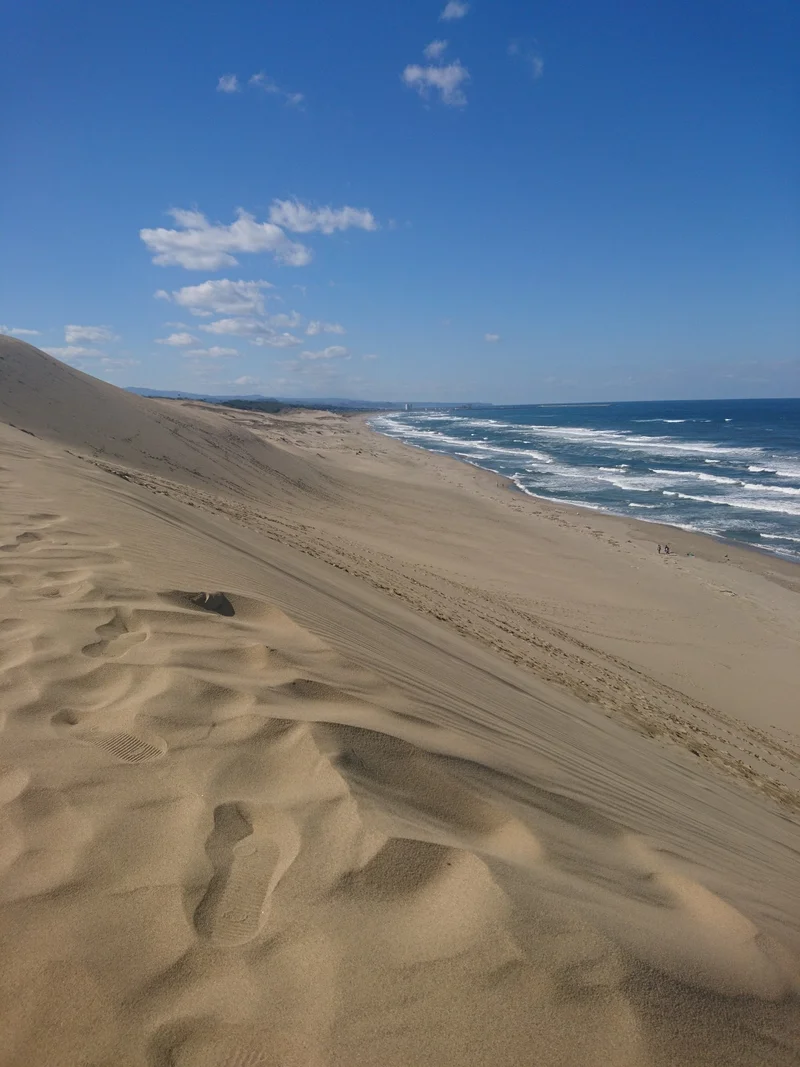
(326, 402)
(322, 402)
(174, 394)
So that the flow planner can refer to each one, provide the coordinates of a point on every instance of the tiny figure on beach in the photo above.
(659, 550)
(666, 550)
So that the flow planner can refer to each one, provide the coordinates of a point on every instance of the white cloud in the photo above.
(222, 297)
(434, 50)
(370, 355)
(530, 55)
(491, 337)
(73, 334)
(331, 352)
(75, 351)
(110, 363)
(257, 331)
(228, 83)
(315, 328)
(292, 320)
(201, 245)
(18, 331)
(277, 340)
(447, 81)
(264, 82)
(299, 218)
(177, 340)
(215, 352)
(454, 9)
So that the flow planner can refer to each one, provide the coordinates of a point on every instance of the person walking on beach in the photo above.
(666, 549)
(659, 550)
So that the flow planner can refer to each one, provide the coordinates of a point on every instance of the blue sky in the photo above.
(568, 200)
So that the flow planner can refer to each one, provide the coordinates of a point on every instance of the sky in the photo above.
(505, 201)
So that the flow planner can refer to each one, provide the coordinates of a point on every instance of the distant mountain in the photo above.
(173, 394)
(306, 401)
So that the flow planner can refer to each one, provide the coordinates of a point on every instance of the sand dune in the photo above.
(258, 810)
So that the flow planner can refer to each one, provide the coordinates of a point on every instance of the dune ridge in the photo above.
(257, 812)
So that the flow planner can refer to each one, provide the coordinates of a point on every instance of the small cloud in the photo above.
(289, 321)
(454, 9)
(332, 352)
(68, 352)
(215, 352)
(434, 50)
(18, 331)
(492, 338)
(315, 328)
(244, 380)
(257, 331)
(228, 83)
(529, 54)
(111, 364)
(370, 355)
(266, 84)
(219, 297)
(277, 340)
(198, 244)
(73, 334)
(299, 218)
(446, 80)
(177, 340)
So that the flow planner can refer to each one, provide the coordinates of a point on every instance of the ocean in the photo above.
(729, 468)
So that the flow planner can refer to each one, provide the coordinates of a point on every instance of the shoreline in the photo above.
(719, 539)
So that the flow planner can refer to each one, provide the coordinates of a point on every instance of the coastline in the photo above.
(748, 546)
(695, 543)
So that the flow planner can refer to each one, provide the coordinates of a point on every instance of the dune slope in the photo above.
(258, 812)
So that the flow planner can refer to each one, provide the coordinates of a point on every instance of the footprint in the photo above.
(115, 638)
(115, 648)
(248, 863)
(22, 539)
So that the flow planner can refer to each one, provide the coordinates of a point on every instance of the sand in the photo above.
(320, 750)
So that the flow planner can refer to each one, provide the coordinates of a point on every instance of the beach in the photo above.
(321, 749)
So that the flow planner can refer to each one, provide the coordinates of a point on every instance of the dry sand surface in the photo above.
(319, 750)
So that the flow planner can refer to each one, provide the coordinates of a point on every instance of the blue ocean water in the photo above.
(730, 468)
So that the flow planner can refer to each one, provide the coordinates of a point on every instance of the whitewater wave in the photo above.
(745, 503)
(625, 440)
(608, 468)
(781, 537)
(786, 490)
